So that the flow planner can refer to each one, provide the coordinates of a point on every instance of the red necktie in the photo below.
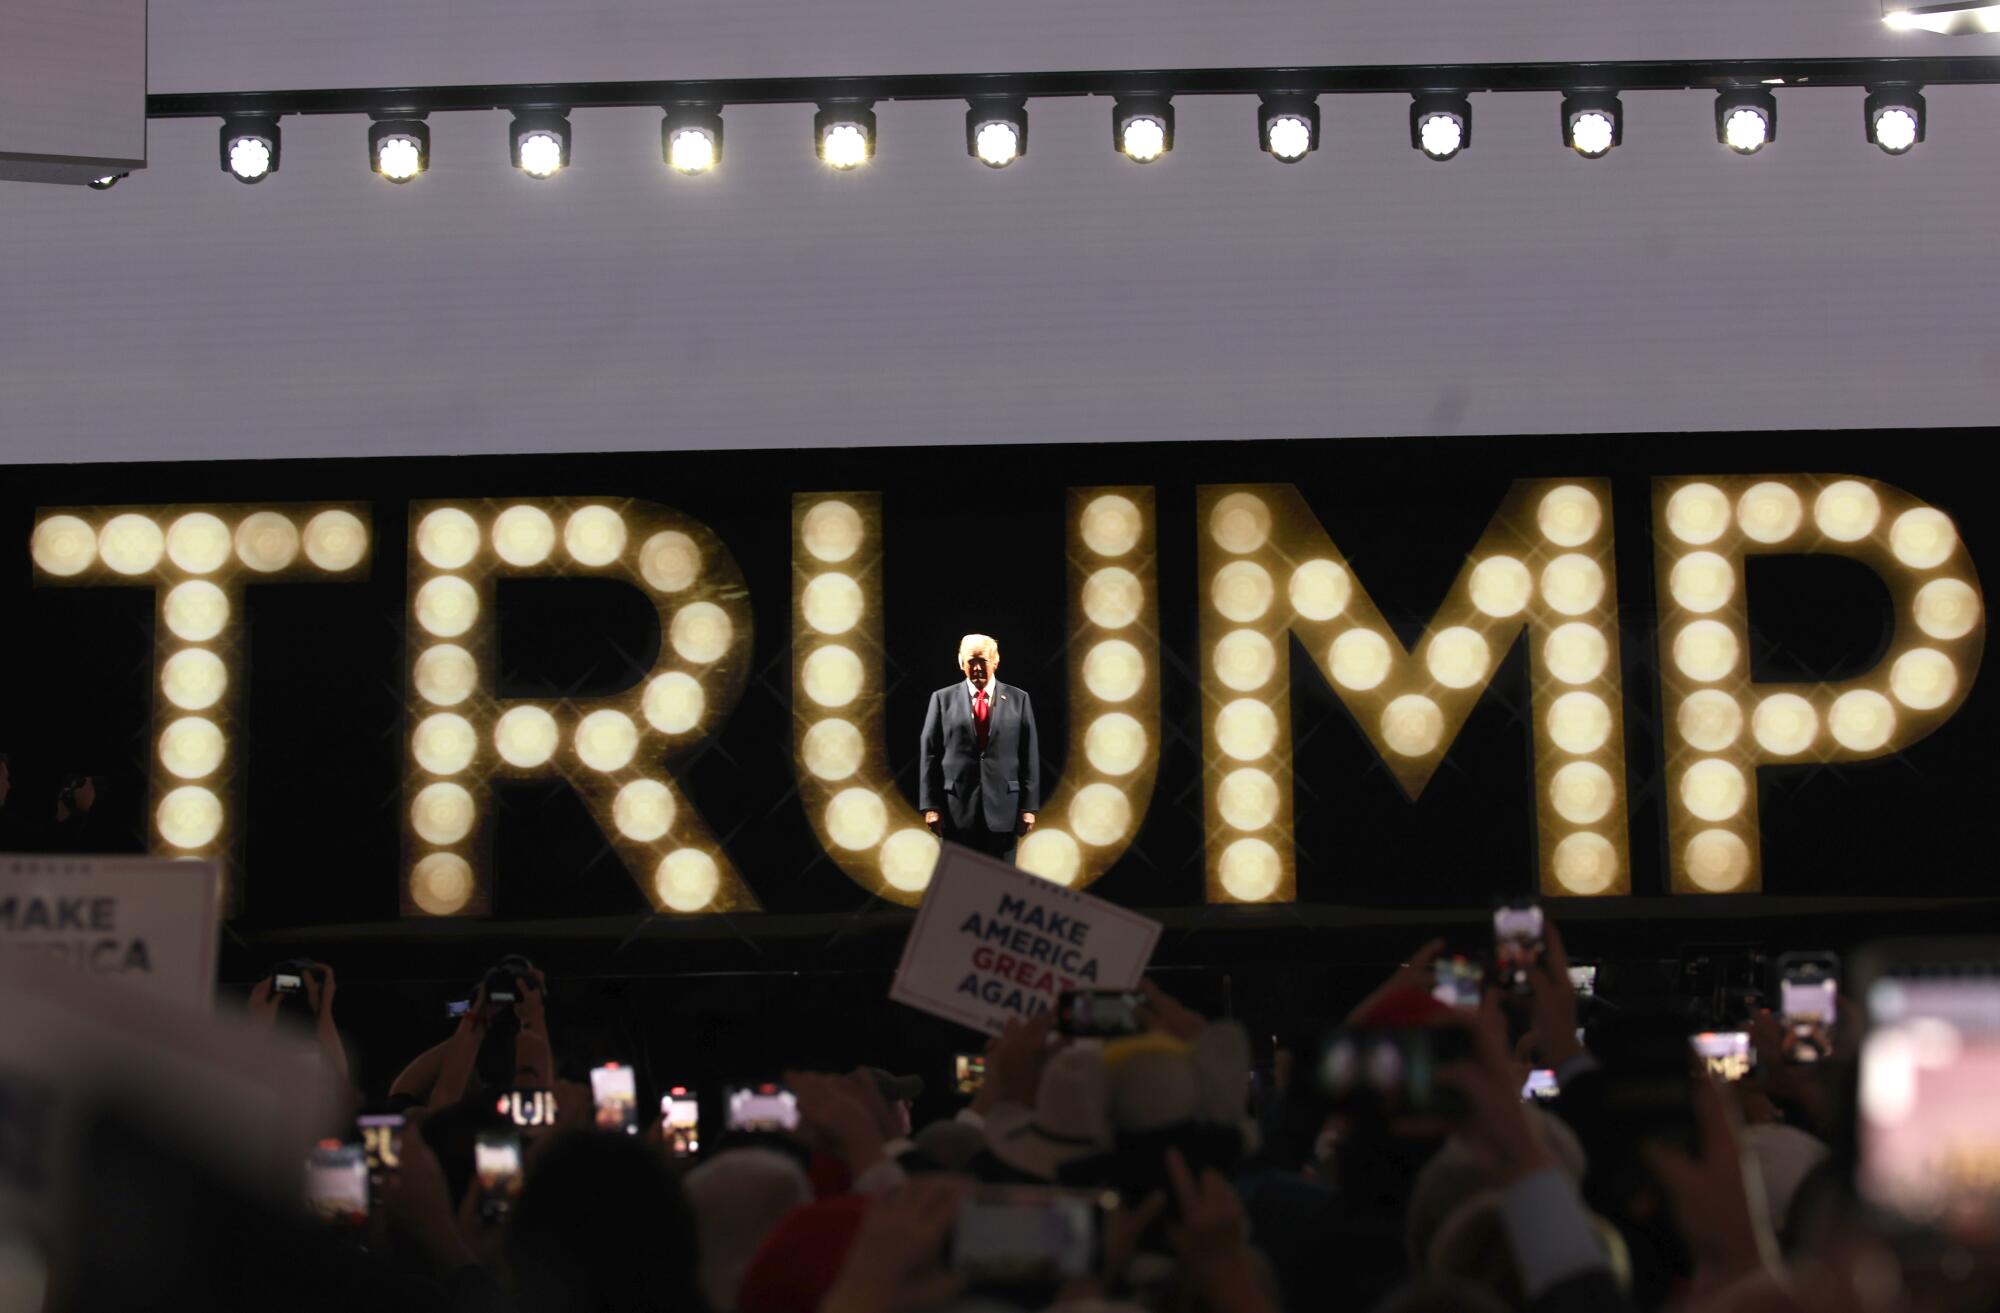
(979, 715)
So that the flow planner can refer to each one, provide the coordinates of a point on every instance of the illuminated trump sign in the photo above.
(1271, 579)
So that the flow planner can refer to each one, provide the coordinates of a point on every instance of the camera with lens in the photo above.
(508, 979)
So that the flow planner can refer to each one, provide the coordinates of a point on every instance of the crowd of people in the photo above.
(1471, 1151)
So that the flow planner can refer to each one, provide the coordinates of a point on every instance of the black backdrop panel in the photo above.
(974, 541)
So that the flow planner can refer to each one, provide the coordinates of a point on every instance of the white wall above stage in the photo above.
(1073, 296)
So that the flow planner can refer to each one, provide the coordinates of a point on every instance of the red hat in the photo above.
(799, 1261)
(1405, 1008)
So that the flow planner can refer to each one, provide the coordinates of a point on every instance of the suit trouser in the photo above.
(981, 839)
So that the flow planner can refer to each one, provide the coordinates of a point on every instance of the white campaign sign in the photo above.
(147, 921)
(992, 944)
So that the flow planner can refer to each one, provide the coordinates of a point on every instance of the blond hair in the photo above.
(973, 645)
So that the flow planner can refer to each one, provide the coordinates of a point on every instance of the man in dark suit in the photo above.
(982, 769)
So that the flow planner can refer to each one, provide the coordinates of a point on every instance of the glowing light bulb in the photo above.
(1501, 586)
(832, 603)
(1115, 744)
(447, 606)
(1113, 670)
(998, 144)
(131, 544)
(191, 747)
(1769, 512)
(908, 858)
(335, 540)
(196, 611)
(1923, 679)
(856, 819)
(1569, 516)
(1579, 722)
(523, 535)
(189, 817)
(399, 158)
(1319, 589)
(1572, 584)
(1290, 137)
(669, 561)
(1861, 720)
(1746, 131)
(526, 737)
(1585, 863)
(1242, 591)
(1111, 525)
(1713, 789)
(194, 679)
(1442, 135)
(445, 675)
(1245, 660)
(1144, 139)
(673, 702)
(846, 146)
(1246, 729)
(1847, 510)
(1100, 814)
(1591, 133)
(1947, 608)
(594, 535)
(1250, 870)
(1247, 799)
(1575, 653)
(1717, 861)
(1359, 659)
(1705, 650)
(442, 813)
(643, 810)
(832, 531)
(831, 676)
(691, 150)
(833, 749)
(1697, 513)
(447, 538)
(1113, 597)
(1051, 855)
(1784, 724)
(198, 542)
(1458, 657)
(687, 880)
(1896, 130)
(701, 631)
(1412, 725)
(606, 740)
(249, 158)
(267, 542)
(1240, 522)
(1709, 720)
(541, 154)
(1923, 538)
(441, 884)
(1582, 792)
(1702, 582)
(444, 744)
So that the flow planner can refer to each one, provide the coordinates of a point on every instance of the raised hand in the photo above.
(1711, 1196)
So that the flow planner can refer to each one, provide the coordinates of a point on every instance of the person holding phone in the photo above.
(979, 779)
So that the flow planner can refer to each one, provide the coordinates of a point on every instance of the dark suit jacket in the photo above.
(962, 782)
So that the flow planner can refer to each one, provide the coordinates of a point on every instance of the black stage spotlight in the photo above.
(1142, 127)
(1593, 122)
(106, 183)
(1895, 118)
(996, 130)
(1745, 119)
(399, 148)
(1288, 126)
(1440, 123)
(538, 141)
(250, 146)
(844, 133)
(691, 138)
